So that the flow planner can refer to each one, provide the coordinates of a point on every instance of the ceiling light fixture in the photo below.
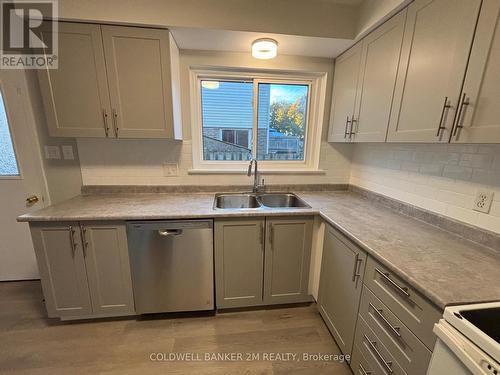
(264, 48)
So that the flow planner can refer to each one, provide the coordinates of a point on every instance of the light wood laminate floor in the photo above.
(33, 344)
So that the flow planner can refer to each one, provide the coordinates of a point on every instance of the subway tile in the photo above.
(457, 172)
(483, 161)
(486, 177)
(431, 169)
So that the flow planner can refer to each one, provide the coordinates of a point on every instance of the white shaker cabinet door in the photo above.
(139, 76)
(75, 95)
(345, 85)
(436, 45)
(379, 68)
(479, 111)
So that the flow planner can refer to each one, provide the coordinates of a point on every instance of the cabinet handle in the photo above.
(262, 233)
(387, 364)
(346, 131)
(105, 119)
(72, 239)
(445, 107)
(352, 132)
(83, 231)
(271, 236)
(363, 371)
(115, 122)
(402, 290)
(355, 267)
(463, 103)
(394, 329)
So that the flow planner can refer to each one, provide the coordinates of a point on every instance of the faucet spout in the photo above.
(256, 185)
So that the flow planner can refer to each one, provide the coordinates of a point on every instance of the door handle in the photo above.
(115, 122)
(72, 239)
(83, 232)
(169, 232)
(399, 288)
(463, 103)
(363, 371)
(105, 119)
(387, 364)
(445, 107)
(32, 199)
(346, 131)
(394, 329)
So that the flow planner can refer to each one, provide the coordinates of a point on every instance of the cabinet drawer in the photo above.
(361, 365)
(408, 350)
(377, 355)
(411, 308)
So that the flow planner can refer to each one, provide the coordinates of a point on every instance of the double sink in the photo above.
(234, 201)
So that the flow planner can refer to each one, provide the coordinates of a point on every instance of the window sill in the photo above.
(262, 172)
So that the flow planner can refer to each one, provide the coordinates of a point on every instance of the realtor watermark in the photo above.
(246, 357)
(29, 39)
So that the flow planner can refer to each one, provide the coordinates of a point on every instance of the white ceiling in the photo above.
(240, 41)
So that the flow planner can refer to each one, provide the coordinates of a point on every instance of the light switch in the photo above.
(67, 152)
(52, 152)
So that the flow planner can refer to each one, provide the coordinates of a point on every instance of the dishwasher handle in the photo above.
(169, 232)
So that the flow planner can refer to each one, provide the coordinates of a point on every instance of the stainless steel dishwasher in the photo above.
(172, 264)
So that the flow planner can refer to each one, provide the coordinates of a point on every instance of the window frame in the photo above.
(19, 175)
(316, 101)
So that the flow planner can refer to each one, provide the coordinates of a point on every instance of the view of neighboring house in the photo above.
(227, 117)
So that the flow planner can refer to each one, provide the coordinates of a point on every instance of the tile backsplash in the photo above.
(438, 177)
(141, 162)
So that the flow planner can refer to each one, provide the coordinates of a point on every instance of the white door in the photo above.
(21, 176)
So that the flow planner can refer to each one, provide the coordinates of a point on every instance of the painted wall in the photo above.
(294, 17)
(438, 177)
(372, 13)
(106, 161)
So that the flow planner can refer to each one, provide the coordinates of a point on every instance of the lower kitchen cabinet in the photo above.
(341, 282)
(84, 269)
(288, 254)
(262, 261)
(239, 255)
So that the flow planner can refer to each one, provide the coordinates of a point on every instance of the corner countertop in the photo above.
(445, 268)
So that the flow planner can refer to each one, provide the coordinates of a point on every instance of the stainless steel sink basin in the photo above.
(281, 200)
(260, 200)
(235, 201)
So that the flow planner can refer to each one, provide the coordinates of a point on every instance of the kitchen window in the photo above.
(276, 119)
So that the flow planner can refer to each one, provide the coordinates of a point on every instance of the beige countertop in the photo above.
(447, 269)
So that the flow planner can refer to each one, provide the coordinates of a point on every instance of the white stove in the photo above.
(468, 341)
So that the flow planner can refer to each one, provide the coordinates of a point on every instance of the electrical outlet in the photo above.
(483, 201)
(170, 169)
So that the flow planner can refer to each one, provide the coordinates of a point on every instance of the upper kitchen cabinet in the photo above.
(345, 83)
(436, 46)
(75, 95)
(113, 81)
(478, 119)
(140, 81)
(363, 85)
(377, 78)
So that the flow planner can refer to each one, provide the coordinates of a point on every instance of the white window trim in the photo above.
(315, 116)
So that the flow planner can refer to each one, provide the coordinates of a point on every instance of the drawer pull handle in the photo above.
(399, 288)
(387, 364)
(395, 330)
(363, 371)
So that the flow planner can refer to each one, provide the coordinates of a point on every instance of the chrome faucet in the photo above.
(256, 185)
